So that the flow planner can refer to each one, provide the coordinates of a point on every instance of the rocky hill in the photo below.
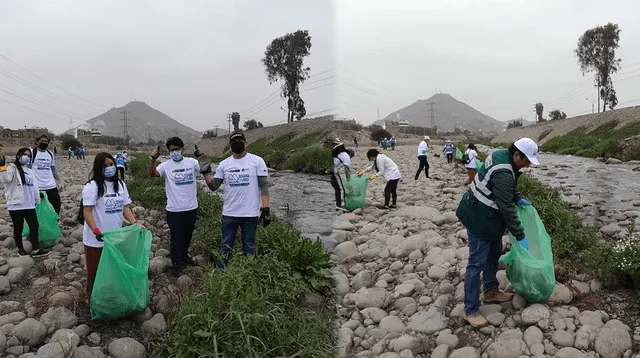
(466, 117)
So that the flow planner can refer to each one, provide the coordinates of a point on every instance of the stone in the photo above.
(126, 348)
(342, 283)
(405, 289)
(519, 301)
(362, 279)
(371, 297)
(158, 265)
(612, 342)
(569, 352)
(445, 337)
(5, 285)
(88, 352)
(94, 338)
(67, 336)
(533, 335)
(13, 318)
(392, 324)
(373, 313)
(406, 341)
(30, 332)
(428, 322)
(3, 342)
(22, 261)
(466, 352)
(61, 299)
(345, 342)
(590, 318)
(55, 349)
(59, 317)
(441, 351)
(496, 319)
(613, 161)
(510, 348)
(82, 330)
(345, 249)
(368, 229)
(437, 272)
(9, 307)
(562, 338)
(561, 294)
(534, 313)
(155, 325)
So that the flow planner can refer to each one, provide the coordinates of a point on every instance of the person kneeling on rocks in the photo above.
(106, 202)
(486, 210)
(385, 167)
(246, 196)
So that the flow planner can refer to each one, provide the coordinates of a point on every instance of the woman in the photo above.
(471, 165)
(22, 194)
(106, 203)
(341, 158)
(384, 166)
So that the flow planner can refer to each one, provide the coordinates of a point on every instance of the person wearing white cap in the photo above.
(486, 210)
(423, 150)
(341, 158)
(448, 150)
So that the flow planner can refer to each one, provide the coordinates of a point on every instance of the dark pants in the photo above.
(483, 258)
(424, 164)
(336, 182)
(390, 191)
(92, 259)
(126, 167)
(19, 217)
(121, 171)
(54, 198)
(449, 158)
(181, 225)
(230, 225)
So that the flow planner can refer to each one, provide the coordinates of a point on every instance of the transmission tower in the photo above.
(70, 122)
(229, 120)
(432, 114)
(125, 119)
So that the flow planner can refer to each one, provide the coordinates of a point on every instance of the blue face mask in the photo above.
(176, 156)
(25, 160)
(109, 172)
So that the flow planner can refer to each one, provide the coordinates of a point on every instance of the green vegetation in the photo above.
(301, 153)
(603, 139)
(251, 309)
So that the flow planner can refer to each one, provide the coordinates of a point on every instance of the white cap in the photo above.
(529, 148)
(427, 137)
(448, 140)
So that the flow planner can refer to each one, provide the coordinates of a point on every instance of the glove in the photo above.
(373, 177)
(198, 153)
(155, 154)
(98, 234)
(3, 161)
(361, 173)
(525, 243)
(60, 184)
(265, 217)
(523, 202)
(205, 168)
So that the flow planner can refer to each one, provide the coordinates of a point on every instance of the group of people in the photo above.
(388, 143)
(79, 152)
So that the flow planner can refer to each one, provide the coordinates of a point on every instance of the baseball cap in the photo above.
(427, 137)
(529, 148)
(236, 136)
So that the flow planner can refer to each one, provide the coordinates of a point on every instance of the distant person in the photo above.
(341, 159)
(182, 199)
(70, 152)
(486, 210)
(471, 154)
(448, 150)
(355, 142)
(120, 164)
(385, 167)
(125, 156)
(55, 152)
(393, 143)
(44, 170)
(423, 151)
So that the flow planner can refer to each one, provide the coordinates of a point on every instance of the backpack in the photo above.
(34, 153)
(465, 158)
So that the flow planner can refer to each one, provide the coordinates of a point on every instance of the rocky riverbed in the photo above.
(400, 276)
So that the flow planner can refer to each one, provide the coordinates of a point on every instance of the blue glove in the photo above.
(525, 243)
(523, 202)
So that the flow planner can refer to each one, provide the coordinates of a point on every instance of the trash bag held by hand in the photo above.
(478, 164)
(355, 191)
(121, 286)
(531, 272)
(458, 154)
(49, 229)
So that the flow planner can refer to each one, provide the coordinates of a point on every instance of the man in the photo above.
(44, 170)
(393, 143)
(486, 210)
(448, 150)
(182, 200)
(423, 150)
(246, 196)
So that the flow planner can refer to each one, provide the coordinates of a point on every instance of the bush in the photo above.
(70, 141)
(310, 160)
(378, 133)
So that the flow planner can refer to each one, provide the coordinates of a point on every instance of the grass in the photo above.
(603, 139)
(251, 309)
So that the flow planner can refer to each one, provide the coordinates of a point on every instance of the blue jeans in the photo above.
(230, 225)
(181, 225)
(483, 257)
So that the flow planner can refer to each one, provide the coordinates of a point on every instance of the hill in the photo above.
(144, 122)
(466, 117)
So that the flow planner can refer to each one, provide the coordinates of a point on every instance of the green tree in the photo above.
(539, 110)
(596, 52)
(284, 60)
(608, 95)
(252, 124)
(557, 114)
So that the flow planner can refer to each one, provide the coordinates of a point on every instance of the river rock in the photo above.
(371, 297)
(535, 313)
(30, 332)
(510, 348)
(533, 335)
(561, 294)
(155, 325)
(392, 324)
(345, 249)
(585, 337)
(563, 338)
(466, 352)
(59, 317)
(362, 279)
(88, 352)
(428, 322)
(66, 335)
(613, 161)
(342, 283)
(612, 341)
(22, 261)
(345, 342)
(406, 341)
(126, 348)
(5, 285)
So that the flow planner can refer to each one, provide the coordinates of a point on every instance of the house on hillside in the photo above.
(24, 133)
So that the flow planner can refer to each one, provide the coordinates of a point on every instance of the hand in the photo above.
(205, 168)
(265, 217)
(98, 234)
(155, 154)
(373, 177)
(525, 243)
(60, 184)
(523, 202)
(361, 173)
(198, 153)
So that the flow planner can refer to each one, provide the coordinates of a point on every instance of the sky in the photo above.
(198, 62)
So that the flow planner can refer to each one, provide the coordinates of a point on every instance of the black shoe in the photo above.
(386, 207)
(40, 252)
(21, 252)
(177, 268)
(392, 206)
(187, 260)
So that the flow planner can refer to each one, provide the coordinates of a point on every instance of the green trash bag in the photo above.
(355, 191)
(479, 164)
(121, 286)
(458, 154)
(49, 229)
(531, 272)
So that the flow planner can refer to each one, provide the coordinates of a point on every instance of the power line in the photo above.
(377, 84)
(29, 108)
(365, 90)
(34, 100)
(313, 114)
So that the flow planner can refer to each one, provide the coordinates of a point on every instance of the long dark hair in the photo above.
(472, 146)
(97, 173)
(18, 164)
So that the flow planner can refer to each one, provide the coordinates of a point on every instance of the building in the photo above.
(24, 133)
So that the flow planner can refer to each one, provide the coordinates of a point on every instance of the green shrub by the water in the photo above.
(251, 309)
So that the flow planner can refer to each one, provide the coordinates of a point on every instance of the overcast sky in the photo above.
(199, 62)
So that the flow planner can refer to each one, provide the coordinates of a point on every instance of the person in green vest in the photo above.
(487, 210)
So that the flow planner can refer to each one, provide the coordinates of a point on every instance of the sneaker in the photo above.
(495, 296)
(21, 252)
(392, 206)
(341, 208)
(476, 320)
(40, 252)
(188, 260)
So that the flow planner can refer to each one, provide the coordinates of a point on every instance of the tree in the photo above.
(608, 95)
(284, 60)
(539, 110)
(596, 52)
(557, 114)
(209, 134)
(252, 124)
(515, 123)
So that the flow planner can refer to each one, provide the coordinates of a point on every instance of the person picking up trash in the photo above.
(341, 158)
(486, 210)
(385, 167)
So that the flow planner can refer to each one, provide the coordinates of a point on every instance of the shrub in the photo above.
(378, 133)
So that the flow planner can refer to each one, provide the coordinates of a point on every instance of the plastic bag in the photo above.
(121, 285)
(531, 272)
(355, 191)
(458, 154)
(478, 164)
(49, 229)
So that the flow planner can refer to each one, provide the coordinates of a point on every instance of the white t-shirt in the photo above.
(342, 159)
(241, 191)
(125, 156)
(472, 158)
(108, 210)
(42, 169)
(423, 148)
(180, 183)
(29, 193)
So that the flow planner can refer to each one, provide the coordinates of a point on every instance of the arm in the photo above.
(153, 170)
(263, 183)
(504, 188)
(213, 183)
(55, 173)
(88, 217)
(7, 176)
(128, 214)
(347, 172)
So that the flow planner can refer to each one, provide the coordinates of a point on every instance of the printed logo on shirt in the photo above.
(181, 177)
(113, 203)
(28, 180)
(235, 180)
(42, 164)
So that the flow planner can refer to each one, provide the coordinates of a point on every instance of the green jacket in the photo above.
(488, 207)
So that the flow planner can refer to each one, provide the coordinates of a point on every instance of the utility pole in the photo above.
(592, 105)
(432, 112)
(229, 120)
(216, 130)
(125, 119)
(70, 122)
(149, 133)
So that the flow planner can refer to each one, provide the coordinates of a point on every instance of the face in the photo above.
(43, 141)
(175, 148)
(108, 162)
(27, 153)
(520, 160)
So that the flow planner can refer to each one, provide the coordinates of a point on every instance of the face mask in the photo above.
(43, 146)
(25, 160)
(176, 156)
(109, 172)
(237, 147)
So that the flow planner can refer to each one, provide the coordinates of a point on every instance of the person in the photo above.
(385, 167)
(55, 152)
(471, 165)
(182, 199)
(486, 210)
(125, 156)
(70, 152)
(106, 202)
(22, 195)
(44, 170)
(448, 150)
(393, 143)
(355, 142)
(423, 150)
(341, 158)
(246, 196)
(120, 164)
